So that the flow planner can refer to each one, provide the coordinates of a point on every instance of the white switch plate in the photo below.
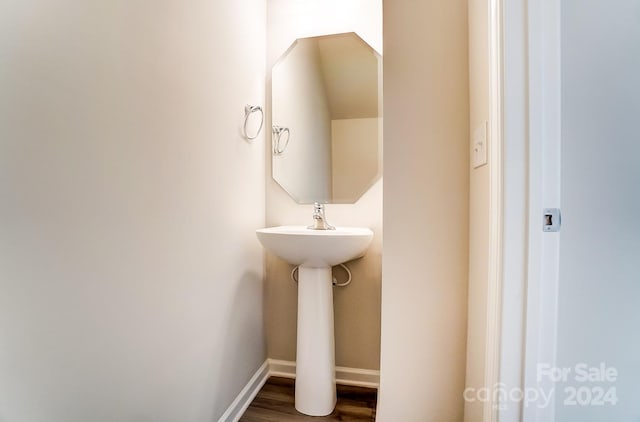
(479, 145)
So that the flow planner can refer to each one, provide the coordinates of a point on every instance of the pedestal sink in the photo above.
(315, 252)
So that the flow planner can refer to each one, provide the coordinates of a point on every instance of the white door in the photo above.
(583, 327)
(598, 313)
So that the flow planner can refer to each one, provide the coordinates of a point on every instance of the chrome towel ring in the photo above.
(278, 146)
(248, 111)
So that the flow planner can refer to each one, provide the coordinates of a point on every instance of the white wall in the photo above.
(308, 152)
(426, 203)
(131, 282)
(357, 306)
(599, 292)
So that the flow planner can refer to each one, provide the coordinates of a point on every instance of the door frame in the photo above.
(496, 204)
(522, 307)
(545, 77)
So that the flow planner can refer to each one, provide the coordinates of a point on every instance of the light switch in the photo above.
(479, 145)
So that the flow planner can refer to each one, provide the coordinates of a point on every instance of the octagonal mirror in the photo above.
(327, 119)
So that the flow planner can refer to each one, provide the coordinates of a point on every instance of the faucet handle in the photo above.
(319, 221)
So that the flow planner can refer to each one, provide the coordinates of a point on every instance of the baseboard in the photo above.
(358, 377)
(287, 369)
(282, 368)
(345, 376)
(246, 396)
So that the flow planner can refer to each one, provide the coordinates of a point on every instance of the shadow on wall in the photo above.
(356, 312)
(244, 333)
(357, 307)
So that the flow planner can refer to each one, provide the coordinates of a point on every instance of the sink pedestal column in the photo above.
(315, 360)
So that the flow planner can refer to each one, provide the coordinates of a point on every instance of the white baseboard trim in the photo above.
(345, 376)
(358, 377)
(282, 368)
(287, 369)
(246, 396)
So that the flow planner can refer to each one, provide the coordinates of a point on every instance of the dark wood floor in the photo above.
(275, 403)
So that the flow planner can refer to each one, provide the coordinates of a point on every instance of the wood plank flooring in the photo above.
(275, 403)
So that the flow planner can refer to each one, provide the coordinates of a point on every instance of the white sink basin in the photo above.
(316, 248)
(315, 252)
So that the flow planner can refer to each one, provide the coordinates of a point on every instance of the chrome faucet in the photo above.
(319, 220)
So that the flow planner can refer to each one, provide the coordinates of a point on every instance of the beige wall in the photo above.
(357, 306)
(131, 281)
(478, 205)
(426, 185)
